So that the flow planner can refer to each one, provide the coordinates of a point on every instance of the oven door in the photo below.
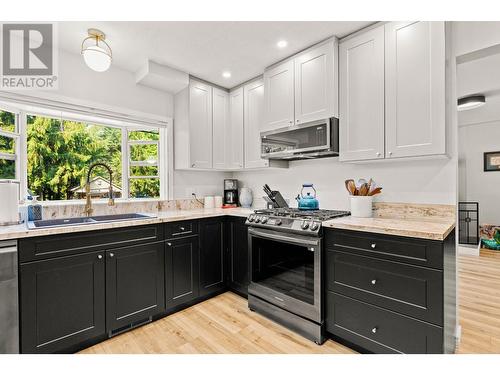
(285, 270)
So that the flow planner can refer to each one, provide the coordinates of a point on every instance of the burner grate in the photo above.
(320, 215)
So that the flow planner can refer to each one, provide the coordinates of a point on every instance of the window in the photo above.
(9, 145)
(59, 153)
(143, 161)
(49, 151)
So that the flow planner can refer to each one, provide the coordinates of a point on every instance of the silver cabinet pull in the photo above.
(169, 243)
(378, 153)
(374, 281)
(298, 120)
(374, 330)
(374, 245)
(390, 153)
(182, 228)
(99, 256)
(111, 255)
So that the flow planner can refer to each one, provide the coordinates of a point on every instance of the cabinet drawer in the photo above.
(181, 229)
(79, 242)
(420, 252)
(378, 330)
(407, 289)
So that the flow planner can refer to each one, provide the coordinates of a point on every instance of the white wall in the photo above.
(475, 184)
(416, 181)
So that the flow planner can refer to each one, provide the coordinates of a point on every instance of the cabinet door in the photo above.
(221, 128)
(362, 96)
(200, 125)
(315, 91)
(415, 88)
(238, 255)
(211, 256)
(134, 285)
(62, 302)
(279, 96)
(254, 117)
(235, 143)
(182, 275)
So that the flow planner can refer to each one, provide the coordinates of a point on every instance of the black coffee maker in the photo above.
(230, 193)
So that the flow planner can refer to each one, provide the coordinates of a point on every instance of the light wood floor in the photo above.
(479, 302)
(219, 325)
(225, 325)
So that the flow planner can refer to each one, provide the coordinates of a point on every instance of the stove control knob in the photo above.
(263, 220)
(251, 218)
(257, 219)
(278, 222)
(304, 225)
(314, 225)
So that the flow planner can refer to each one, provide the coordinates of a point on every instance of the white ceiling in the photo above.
(481, 76)
(205, 49)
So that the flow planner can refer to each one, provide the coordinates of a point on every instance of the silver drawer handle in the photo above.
(374, 281)
(99, 256)
(182, 228)
(374, 245)
(280, 299)
(111, 255)
(169, 243)
(374, 330)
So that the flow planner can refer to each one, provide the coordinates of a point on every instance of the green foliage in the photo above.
(59, 157)
(7, 145)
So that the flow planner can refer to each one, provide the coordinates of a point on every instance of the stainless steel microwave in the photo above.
(312, 140)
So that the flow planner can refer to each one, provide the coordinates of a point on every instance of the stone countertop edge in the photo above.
(22, 231)
(425, 228)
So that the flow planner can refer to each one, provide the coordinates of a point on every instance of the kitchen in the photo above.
(308, 196)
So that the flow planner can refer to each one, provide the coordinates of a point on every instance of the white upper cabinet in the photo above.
(200, 125)
(254, 117)
(221, 129)
(361, 128)
(279, 96)
(235, 143)
(315, 83)
(415, 88)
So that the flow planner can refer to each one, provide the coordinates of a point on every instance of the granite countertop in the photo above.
(431, 228)
(21, 230)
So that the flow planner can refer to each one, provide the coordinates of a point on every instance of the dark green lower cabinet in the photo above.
(181, 270)
(135, 288)
(62, 302)
(238, 272)
(212, 277)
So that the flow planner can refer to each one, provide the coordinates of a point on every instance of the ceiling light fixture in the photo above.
(226, 74)
(97, 54)
(471, 102)
(282, 44)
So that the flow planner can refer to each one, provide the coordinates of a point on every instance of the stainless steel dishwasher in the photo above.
(9, 305)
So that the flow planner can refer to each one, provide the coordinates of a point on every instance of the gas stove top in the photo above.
(293, 219)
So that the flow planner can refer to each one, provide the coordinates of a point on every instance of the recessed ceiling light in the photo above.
(282, 44)
(471, 102)
(226, 74)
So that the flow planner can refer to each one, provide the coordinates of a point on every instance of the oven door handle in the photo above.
(272, 236)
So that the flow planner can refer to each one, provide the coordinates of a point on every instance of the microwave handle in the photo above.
(290, 239)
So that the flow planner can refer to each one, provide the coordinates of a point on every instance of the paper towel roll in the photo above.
(9, 201)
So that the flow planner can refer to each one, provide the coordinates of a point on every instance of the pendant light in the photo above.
(471, 102)
(96, 52)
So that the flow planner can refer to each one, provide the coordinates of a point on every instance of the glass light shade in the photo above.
(97, 58)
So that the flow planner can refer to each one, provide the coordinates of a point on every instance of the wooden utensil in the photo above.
(363, 190)
(375, 191)
(351, 187)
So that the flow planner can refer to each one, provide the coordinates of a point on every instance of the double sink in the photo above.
(39, 224)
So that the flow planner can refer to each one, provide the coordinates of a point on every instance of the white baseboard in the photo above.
(468, 250)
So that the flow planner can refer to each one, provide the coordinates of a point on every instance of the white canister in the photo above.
(246, 197)
(218, 201)
(209, 202)
(9, 202)
(361, 206)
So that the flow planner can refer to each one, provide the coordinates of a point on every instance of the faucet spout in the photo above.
(88, 203)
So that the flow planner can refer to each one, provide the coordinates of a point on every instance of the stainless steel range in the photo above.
(286, 247)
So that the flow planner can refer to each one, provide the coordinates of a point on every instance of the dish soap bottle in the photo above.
(34, 210)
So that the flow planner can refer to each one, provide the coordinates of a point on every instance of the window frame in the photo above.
(22, 153)
(16, 136)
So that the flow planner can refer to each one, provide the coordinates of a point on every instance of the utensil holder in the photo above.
(361, 206)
